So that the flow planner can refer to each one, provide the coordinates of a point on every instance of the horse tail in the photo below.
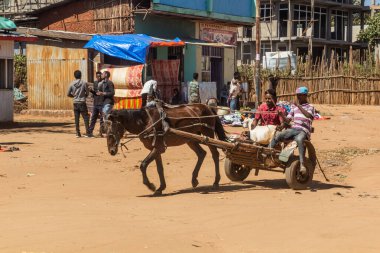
(219, 130)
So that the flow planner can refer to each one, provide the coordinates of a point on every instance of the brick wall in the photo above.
(77, 16)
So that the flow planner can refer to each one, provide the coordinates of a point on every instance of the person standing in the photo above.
(107, 91)
(194, 96)
(98, 104)
(79, 91)
(149, 92)
(176, 99)
(234, 92)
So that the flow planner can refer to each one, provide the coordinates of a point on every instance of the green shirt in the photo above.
(194, 92)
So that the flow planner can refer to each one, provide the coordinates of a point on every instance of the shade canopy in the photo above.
(6, 24)
(131, 47)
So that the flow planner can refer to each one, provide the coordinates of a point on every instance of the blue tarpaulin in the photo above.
(131, 47)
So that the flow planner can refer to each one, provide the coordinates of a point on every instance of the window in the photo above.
(320, 22)
(302, 17)
(266, 12)
(175, 53)
(212, 51)
(246, 53)
(339, 25)
(6, 73)
(303, 21)
(265, 47)
(206, 69)
(247, 32)
(283, 16)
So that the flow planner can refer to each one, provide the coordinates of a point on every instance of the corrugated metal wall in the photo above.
(50, 71)
(6, 49)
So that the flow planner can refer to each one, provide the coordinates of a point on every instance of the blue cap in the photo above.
(302, 90)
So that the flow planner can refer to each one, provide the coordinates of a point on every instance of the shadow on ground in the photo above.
(15, 143)
(36, 127)
(259, 185)
(281, 184)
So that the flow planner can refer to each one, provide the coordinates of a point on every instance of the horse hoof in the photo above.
(215, 186)
(195, 183)
(157, 193)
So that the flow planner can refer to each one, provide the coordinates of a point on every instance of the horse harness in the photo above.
(152, 131)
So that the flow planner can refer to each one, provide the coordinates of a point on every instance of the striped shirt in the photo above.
(300, 121)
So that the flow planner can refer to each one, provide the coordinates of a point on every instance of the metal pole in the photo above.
(290, 25)
(311, 36)
(257, 62)
(271, 25)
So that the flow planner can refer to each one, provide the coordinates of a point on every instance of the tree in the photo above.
(372, 33)
(20, 70)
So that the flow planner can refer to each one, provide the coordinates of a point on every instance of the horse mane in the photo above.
(128, 114)
(131, 118)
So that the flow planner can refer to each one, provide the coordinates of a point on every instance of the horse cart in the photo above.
(244, 156)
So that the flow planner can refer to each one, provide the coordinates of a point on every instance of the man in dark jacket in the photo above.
(107, 91)
(98, 104)
(79, 91)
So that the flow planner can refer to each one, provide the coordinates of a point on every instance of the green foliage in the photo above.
(20, 70)
(372, 33)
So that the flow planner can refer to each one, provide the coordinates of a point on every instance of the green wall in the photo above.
(162, 53)
(190, 62)
(170, 28)
(164, 27)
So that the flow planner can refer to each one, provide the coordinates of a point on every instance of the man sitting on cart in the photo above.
(268, 112)
(301, 116)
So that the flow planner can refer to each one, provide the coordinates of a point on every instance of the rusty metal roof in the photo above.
(55, 34)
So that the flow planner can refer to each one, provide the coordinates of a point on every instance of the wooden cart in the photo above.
(242, 157)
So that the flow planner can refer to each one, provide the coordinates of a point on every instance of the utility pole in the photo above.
(258, 57)
(310, 49)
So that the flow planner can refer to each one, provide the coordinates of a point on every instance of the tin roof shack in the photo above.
(7, 39)
(51, 62)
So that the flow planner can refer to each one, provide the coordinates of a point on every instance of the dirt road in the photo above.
(62, 194)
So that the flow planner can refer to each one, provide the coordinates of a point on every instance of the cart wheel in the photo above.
(236, 172)
(294, 178)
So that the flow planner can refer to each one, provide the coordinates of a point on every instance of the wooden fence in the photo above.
(354, 81)
(331, 89)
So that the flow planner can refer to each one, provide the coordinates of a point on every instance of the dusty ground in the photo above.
(62, 194)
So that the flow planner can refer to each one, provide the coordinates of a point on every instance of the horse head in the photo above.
(115, 131)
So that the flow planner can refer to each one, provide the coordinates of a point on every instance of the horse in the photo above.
(150, 125)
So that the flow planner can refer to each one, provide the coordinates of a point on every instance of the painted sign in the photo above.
(218, 33)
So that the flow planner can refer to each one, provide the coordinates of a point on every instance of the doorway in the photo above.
(217, 74)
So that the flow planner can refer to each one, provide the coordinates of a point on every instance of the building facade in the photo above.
(208, 27)
(290, 26)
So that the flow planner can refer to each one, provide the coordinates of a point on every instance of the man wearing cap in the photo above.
(301, 115)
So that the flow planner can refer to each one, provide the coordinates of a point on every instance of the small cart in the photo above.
(244, 156)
